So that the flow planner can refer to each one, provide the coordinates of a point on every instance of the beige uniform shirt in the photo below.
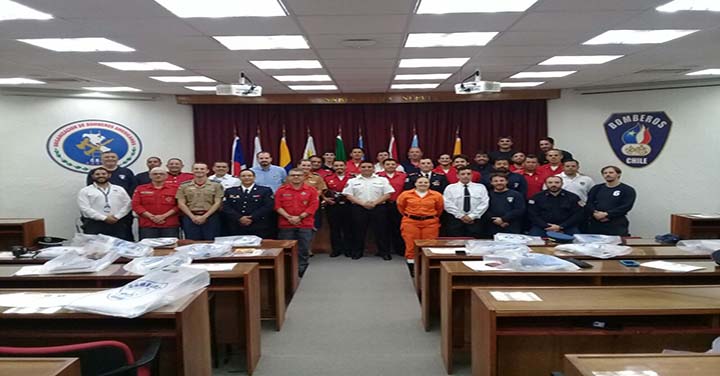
(200, 197)
(316, 181)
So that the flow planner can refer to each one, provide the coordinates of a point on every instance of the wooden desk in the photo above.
(20, 231)
(428, 272)
(235, 298)
(662, 364)
(687, 226)
(40, 366)
(456, 281)
(511, 337)
(184, 327)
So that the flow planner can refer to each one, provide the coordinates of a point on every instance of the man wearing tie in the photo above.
(247, 208)
(465, 202)
(438, 182)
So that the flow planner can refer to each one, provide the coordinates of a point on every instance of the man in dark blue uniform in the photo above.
(516, 182)
(120, 176)
(144, 177)
(438, 182)
(554, 209)
(247, 209)
(507, 207)
(609, 203)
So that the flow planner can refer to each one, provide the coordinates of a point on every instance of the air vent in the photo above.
(664, 71)
(64, 80)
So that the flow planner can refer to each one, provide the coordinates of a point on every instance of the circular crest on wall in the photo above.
(77, 146)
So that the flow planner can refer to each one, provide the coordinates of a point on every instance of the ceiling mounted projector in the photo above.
(246, 88)
(473, 84)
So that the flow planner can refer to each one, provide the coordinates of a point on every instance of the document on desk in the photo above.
(29, 270)
(515, 296)
(481, 265)
(671, 266)
(220, 267)
(445, 250)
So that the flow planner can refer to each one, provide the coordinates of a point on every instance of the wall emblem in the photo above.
(637, 138)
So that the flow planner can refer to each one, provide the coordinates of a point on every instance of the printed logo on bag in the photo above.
(77, 146)
(136, 289)
(637, 138)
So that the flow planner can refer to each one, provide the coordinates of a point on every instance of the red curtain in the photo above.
(480, 124)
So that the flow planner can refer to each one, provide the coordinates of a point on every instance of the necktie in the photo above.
(466, 200)
(247, 191)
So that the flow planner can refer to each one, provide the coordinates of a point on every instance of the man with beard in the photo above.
(247, 208)
(548, 143)
(102, 205)
(438, 181)
(505, 150)
(458, 161)
(609, 203)
(507, 207)
(517, 161)
(267, 174)
(482, 163)
(338, 212)
(554, 209)
(144, 177)
(122, 177)
(515, 181)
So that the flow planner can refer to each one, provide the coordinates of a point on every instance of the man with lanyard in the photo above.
(438, 181)
(609, 203)
(296, 204)
(352, 166)
(369, 193)
(222, 177)
(102, 205)
(267, 174)
(338, 212)
(554, 209)
(123, 177)
(144, 177)
(465, 203)
(397, 180)
(507, 207)
(574, 181)
(200, 199)
(156, 207)
(175, 174)
(246, 208)
(413, 162)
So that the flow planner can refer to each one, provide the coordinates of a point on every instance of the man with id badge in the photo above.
(102, 205)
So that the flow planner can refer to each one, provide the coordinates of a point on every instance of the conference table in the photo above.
(660, 364)
(457, 280)
(527, 330)
(235, 298)
(40, 366)
(183, 326)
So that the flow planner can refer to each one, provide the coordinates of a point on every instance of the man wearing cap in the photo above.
(200, 199)
(156, 207)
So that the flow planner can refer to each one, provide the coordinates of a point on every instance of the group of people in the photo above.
(499, 191)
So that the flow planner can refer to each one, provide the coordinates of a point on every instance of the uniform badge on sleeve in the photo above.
(511, 199)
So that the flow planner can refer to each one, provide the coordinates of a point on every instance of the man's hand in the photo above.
(553, 227)
(199, 219)
(329, 201)
(111, 219)
(368, 205)
(245, 220)
(600, 216)
(497, 220)
(466, 219)
(294, 220)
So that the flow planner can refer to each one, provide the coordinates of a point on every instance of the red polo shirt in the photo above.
(157, 201)
(295, 202)
(352, 168)
(439, 170)
(397, 182)
(179, 178)
(323, 172)
(535, 181)
(452, 177)
(547, 169)
(335, 184)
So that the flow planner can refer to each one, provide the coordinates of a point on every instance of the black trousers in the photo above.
(397, 244)
(457, 228)
(262, 228)
(341, 228)
(616, 226)
(377, 218)
(159, 232)
(93, 227)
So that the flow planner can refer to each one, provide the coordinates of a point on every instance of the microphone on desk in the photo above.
(716, 256)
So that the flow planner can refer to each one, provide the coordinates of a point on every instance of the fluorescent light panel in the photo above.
(223, 8)
(473, 6)
(264, 42)
(78, 44)
(183, 78)
(286, 64)
(695, 5)
(303, 78)
(313, 87)
(10, 10)
(580, 60)
(548, 74)
(413, 86)
(449, 40)
(140, 66)
(440, 62)
(18, 81)
(638, 36)
(111, 88)
(521, 84)
(201, 88)
(429, 76)
(705, 72)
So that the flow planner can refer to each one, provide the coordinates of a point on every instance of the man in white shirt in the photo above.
(368, 193)
(465, 202)
(575, 182)
(102, 205)
(221, 176)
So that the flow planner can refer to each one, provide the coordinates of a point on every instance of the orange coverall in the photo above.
(410, 204)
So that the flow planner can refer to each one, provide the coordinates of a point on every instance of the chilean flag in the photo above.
(237, 157)
(392, 147)
(639, 134)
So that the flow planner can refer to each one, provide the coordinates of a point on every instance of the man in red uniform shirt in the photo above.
(175, 174)
(458, 161)
(156, 206)
(534, 176)
(296, 204)
(397, 181)
(317, 166)
(352, 166)
(554, 165)
(444, 165)
(338, 211)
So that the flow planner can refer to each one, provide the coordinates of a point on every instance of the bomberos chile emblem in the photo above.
(77, 146)
(637, 138)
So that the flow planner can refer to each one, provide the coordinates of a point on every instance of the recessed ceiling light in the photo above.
(449, 40)
(182, 78)
(140, 66)
(10, 10)
(638, 36)
(304, 78)
(548, 74)
(264, 42)
(473, 6)
(286, 64)
(111, 88)
(78, 44)
(313, 87)
(413, 86)
(580, 60)
(428, 76)
(201, 88)
(440, 62)
(521, 84)
(705, 72)
(223, 8)
(697, 5)
(93, 94)
(18, 81)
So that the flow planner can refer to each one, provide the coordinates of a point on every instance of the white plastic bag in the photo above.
(145, 265)
(154, 290)
(699, 246)
(79, 240)
(240, 241)
(74, 262)
(596, 238)
(598, 250)
(489, 247)
(201, 251)
(158, 242)
(531, 262)
(104, 243)
(518, 239)
(52, 252)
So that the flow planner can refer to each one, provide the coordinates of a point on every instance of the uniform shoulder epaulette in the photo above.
(186, 182)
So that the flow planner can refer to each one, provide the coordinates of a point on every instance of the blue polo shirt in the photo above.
(273, 177)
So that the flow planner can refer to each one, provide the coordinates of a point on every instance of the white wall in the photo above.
(686, 174)
(32, 185)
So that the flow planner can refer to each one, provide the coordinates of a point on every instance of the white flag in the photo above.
(258, 148)
(309, 148)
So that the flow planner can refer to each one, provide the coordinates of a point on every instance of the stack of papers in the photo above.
(221, 267)
(515, 296)
(37, 302)
(479, 266)
(444, 251)
(671, 266)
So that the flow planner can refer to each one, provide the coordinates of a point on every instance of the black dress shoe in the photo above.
(356, 257)
(411, 268)
(335, 254)
(387, 257)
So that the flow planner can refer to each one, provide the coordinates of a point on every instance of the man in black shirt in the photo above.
(609, 203)
(507, 207)
(505, 150)
(546, 144)
(554, 209)
(144, 177)
(438, 182)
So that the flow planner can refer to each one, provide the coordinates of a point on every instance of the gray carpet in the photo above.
(351, 318)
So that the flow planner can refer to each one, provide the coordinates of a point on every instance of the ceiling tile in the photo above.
(447, 23)
(349, 7)
(572, 21)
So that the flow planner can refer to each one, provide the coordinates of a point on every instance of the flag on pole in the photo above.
(340, 147)
(258, 149)
(415, 141)
(392, 147)
(285, 159)
(458, 143)
(238, 161)
(309, 147)
(361, 144)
